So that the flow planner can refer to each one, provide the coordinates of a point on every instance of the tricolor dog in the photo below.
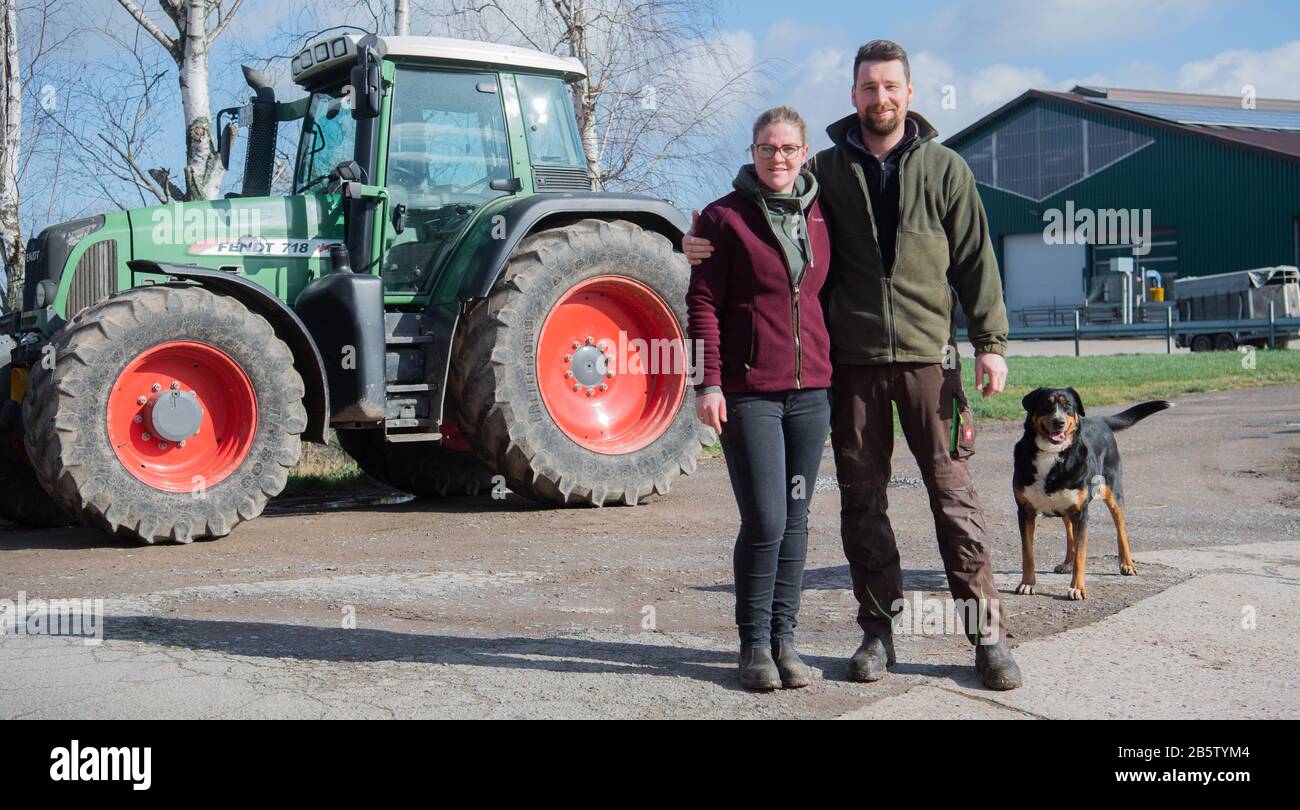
(1063, 462)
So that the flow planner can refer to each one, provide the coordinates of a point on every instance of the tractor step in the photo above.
(411, 396)
(413, 437)
(410, 388)
(408, 340)
(408, 423)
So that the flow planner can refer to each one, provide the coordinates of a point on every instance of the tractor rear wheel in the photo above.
(169, 413)
(571, 376)
(424, 469)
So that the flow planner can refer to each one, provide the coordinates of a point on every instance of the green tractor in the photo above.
(443, 289)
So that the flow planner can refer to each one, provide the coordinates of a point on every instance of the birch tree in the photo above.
(198, 24)
(11, 122)
(402, 17)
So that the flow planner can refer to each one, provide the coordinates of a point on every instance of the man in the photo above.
(908, 230)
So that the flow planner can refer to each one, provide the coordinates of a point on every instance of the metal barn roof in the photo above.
(1268, 125)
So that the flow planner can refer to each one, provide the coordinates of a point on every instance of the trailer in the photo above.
(1244, 295)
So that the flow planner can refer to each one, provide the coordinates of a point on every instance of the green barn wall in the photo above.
(1234, 209)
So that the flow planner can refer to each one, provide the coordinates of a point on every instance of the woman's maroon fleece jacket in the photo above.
(741, 303)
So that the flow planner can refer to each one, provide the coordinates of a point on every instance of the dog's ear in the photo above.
(1030, 403)
(1078, 401)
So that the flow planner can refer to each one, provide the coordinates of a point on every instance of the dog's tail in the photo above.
(1130, 417)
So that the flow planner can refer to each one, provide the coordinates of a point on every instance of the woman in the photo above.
(756, 322)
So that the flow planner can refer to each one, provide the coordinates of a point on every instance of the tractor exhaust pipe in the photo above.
(259, 163)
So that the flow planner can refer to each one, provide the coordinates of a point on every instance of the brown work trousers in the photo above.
(862, 433)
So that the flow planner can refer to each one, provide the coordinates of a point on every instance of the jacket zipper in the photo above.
(794, 286)
(889, 271)
(898, 243)
(875, 234)
(812, 259)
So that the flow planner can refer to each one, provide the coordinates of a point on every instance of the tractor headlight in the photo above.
(45, 291)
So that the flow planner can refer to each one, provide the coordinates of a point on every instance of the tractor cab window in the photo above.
(328, 139)
(549, 121)
(446, 144)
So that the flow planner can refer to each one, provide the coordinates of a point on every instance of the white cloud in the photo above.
(1273, 73)
(969, 94)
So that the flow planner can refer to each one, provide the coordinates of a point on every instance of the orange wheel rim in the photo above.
(611, 364)
(223, 426)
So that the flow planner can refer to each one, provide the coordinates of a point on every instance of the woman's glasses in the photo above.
(767, 151)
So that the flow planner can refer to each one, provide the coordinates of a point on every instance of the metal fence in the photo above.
(1275, 329)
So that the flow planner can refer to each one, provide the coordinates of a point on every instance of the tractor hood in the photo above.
(279, 243)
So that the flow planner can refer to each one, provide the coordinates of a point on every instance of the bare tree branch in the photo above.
(223, 21)
(148, 24)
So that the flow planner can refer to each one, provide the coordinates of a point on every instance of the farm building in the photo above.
(1185, 184)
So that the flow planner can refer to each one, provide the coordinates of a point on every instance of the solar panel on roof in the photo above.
(1210, 116)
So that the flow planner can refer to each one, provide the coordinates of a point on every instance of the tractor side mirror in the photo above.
(226, 143)
(511, 184)
(367, 86)
(226, 140)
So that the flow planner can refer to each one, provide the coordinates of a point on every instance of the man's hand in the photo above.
(711, 409)
(994, 367)
(695, 248)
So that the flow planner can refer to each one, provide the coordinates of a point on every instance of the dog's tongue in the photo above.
(1057, 438)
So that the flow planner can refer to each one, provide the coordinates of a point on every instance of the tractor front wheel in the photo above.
(168, 413)
(571, 377)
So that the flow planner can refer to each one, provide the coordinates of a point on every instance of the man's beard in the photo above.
(881, 127)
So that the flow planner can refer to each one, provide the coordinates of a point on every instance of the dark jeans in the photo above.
(773, 446)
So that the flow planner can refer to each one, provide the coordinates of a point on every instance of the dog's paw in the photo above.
(1063, 568)
(1078, 594)
(1025, 588)
(1129, 570)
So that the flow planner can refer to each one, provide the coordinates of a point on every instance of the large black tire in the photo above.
(495, 384)
(424, 469)
(67, 434)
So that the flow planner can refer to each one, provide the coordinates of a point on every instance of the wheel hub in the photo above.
(588, 366)
(175, 415)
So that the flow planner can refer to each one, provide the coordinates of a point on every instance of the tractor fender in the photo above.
(486, 257)
(540, 211)
(286, 323)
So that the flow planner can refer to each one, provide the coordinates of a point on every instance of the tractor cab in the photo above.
(454, 128)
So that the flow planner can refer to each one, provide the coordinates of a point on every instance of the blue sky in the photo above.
(986, 53)
(990, 52)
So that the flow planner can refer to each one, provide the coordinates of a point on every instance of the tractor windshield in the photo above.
(328, 135)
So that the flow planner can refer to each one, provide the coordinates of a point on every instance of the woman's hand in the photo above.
(711, 410)
(696, 248)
